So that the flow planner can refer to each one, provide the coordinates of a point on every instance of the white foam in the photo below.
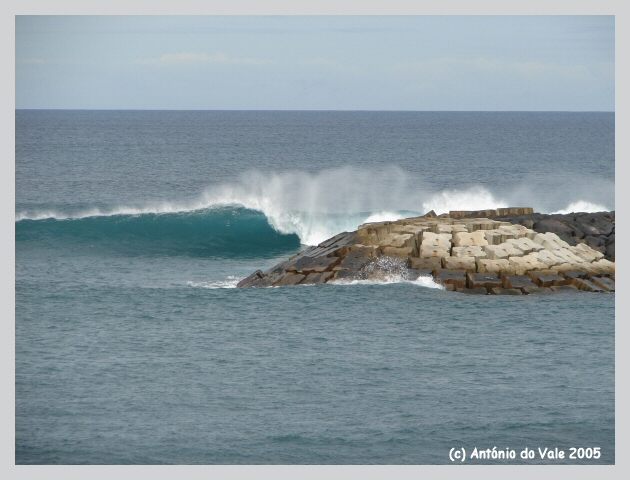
(426, 282)
(476, 198)
(583, 206)
(229, 282)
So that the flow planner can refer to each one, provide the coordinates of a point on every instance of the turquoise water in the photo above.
(133, 347)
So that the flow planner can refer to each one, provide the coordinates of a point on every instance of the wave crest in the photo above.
(316, 206)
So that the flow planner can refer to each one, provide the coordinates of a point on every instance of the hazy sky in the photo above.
(347, 63)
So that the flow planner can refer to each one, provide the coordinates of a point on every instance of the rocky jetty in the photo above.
(504, 251)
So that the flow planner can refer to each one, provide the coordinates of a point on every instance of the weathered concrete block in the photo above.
(514, 211)
(495, 252)
(513, 231)
(548, 258)
(251, 280)
(586, 285)
(398, 252)
(482, 224)
(517, 281)
(524, 264)
(537, 290)
(356, 259)
(316, 278)
(567, 267)
(471, 251)
(437, 239)
(460, 263)
(604, 266)
(586, 253)
(505, 291)
(550, 241)
(463, 239)
(605, 283)
(494, 237)
(459, 227)
(290, 279)
(452, 277)
(543, 280)
(567, 255)
(564, 288)
(487, 280)
(525, 245)
(430, 263)
(433, 251)
(492, 266)
(313, 264)
(571, 274)
(474, 291)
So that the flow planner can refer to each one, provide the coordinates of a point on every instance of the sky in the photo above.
(430, 63)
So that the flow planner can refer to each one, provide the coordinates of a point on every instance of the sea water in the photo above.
(133, 346)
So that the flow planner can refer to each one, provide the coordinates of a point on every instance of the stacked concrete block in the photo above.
(430, 263)
(550, 241)
(493, 266)
(525, 245)
(464, 239)
(470, 251)
(459, 263)
(435, 244)
(495, 252)
(586, 253)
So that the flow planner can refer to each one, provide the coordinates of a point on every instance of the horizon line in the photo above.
(302, 110)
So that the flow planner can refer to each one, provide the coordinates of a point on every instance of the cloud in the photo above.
(202, 58)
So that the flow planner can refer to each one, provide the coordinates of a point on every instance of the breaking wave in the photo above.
(277, 211)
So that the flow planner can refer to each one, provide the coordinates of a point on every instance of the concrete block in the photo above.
(537, 290)
(604, 266)
(525, 245)
(290, 279)
(550, 241)
(572, 274)
(495, 252)
(472, 251)
(457, 278)
(459, 263)
(543, 280)
(564, 288)
(430, 263)
(605, 283)
(433, 251)
(586, 253)
(315, 278)
(463, 239)
(517, 281)
(313, 264)
(505, 291)
(494, 237)
(487, 280)
(492, 266)
(586, 285)
(474, 291)
(398, 252)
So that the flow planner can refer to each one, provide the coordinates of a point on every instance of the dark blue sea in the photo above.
(133, 346)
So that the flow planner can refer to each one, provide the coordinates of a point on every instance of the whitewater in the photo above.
(317, 206)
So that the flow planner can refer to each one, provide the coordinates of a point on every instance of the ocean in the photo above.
(133, 346)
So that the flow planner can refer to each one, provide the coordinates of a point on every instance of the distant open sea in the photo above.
(133, 346)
